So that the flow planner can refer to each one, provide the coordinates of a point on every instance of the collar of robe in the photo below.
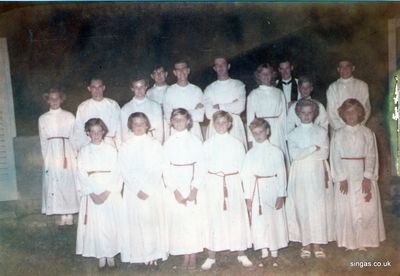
(58, 110)
(347, 80)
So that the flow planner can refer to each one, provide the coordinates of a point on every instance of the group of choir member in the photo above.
(146, 185)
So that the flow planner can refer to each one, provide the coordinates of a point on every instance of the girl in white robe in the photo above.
(143, 223)
(100, 187)
(59, 169)
(183, 173)
(354, 161)
(268, 102)
(309, 204)
(227, 219)
(264, 182)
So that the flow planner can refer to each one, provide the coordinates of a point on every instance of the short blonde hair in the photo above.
(55, 90)
(183, 112)
(223, 114)
(260, 122)
(139, 115)
(352, 103)
(96, 122)
(307, 102)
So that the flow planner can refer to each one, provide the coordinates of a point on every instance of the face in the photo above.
(285, 68)
(260, 134)
(305, 89)
(221, 66)
(139, 126)
(159, 76)
(265, 76)
(180, 122)
(351, 116)
(222, 125)
(96, 89)
(54, 100)
(139, 89)
(345, 69)
(96, 134)
(306, 114)
(181, 72)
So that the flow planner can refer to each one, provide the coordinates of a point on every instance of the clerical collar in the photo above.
(287, 82)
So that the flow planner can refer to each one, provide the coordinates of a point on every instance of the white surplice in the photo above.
(268, 225)
(157, 93)
(354, 156)
(59, 169)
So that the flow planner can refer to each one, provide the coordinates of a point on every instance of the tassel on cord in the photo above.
(224, 204)
(65, 163)
(259, 209)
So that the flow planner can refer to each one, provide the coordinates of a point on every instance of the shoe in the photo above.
(102, 262)
(274, 253)
(69, 220)
(305, 254)
(244, 261)
(362, 249)
(264, 253)
(208, 264)
(320, 254)
(62, 220)
(111, 262)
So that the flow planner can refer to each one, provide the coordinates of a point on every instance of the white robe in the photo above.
(152, 111)
(293, 120)
(269, 102)
(100, 236)
(358, 223)
(143, 223)
(186, 97)
(58, 178)
(230, 94)
(185, 223)
(107, 110)
(309, 205)
(268, 229)
(157, 94)
(227, 219)
(341, 90)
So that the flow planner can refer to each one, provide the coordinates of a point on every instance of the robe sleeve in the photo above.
(118, 127)
(198, 114)
(167, 172)
(250, 114)
(158, 123)
(43, 138)
(297, 153)
(167, 105)
(291, 119)
(208, 104)
(124, 124)
(371, 158)
(282, 116)
(128, 174)
(151, 183)
(236, 107)
(248, 177)
(338, 173)
(281, 174)
(79, 136)
(333, 116)
(85, 185)
(200, 169)
(323, 152)
(115, 184)
(322, 119)
(366, 103)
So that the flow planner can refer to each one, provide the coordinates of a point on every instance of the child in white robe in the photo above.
(227, 219)
(354, 161)
(264, 182)
(183, 173)
(100, 187)
(140, 103)
(268, 102)
(59, 169)
(143, 225)
(309, 204)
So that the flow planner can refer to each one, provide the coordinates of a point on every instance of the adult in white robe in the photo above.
(310, 201)
(59, 168)
(227, 219)
(143, 223)
(264, 180)
(183, 170)
(98, 233)
(152, 111)
(354, 156)
(157, 93)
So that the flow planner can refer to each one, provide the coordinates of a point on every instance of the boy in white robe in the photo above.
(309, 205)
(305, 89)
(140, 103)
(346, 87)
(354, 161)
(59, 169)
(101, 107)
(228, 95)
(264, 182)
(185, 95)
(227, 219)
(100, 187)
(268, 102)
(144, 238)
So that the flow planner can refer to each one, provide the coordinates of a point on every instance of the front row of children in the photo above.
(186, 196)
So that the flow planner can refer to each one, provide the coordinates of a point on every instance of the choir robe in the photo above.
(230, 94)
(186, 97)
(185, 223)
(108, 111)
(98, 233)
(358, 223)
(152, 111)
(157, 94)
(344, 89)
(59, 169)
(266, 161)
(293, 120)
(269, 103)
(310, 201)
(143, 222)
(227, 219)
